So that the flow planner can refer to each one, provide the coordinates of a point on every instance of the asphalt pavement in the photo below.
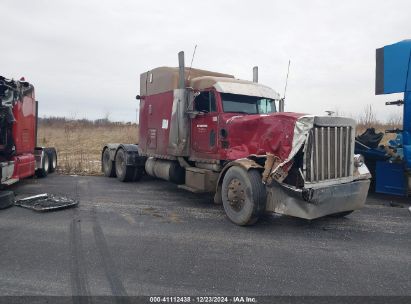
(150, 238)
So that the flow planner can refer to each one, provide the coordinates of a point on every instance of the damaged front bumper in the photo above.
(318, 202)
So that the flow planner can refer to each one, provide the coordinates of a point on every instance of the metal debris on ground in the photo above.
(46, 202)
(394, 204)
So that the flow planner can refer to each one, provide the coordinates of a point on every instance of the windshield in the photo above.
(247, 104)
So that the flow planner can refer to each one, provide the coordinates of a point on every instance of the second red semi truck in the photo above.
(212, 133)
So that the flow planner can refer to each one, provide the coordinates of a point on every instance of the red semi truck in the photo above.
(212, 133)
(19, 155)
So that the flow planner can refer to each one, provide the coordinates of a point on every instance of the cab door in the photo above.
(204, 126)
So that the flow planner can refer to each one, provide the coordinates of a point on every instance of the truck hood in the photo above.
(281, 134)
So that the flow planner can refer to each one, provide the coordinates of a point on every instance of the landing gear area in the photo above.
(119, 167)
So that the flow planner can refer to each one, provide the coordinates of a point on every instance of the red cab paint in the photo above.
(19, 156)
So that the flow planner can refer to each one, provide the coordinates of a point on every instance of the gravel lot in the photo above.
(149, 238)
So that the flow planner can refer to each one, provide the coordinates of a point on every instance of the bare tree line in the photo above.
(368, 119)
(63, 121)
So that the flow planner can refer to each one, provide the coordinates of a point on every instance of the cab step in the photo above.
(200, 180)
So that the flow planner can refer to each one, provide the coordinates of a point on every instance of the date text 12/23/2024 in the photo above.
(206, 299)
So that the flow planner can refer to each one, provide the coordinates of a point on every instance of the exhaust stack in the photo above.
(281, 105)
(181, 76)
(255, 74)
(179, 124)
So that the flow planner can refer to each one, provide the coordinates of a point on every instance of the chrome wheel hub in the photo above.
(236, 194)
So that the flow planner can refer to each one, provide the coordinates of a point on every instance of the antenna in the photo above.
(281, 101)
(191, 64)
(286, 80)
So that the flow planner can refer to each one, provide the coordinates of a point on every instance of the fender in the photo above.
(244, 163)
(133, 157)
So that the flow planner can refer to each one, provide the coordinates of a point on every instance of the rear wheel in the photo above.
(52, 154)
(243, 195)
(124, 173)
(108, 166)
(45, 163)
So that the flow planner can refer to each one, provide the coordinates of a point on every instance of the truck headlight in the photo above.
(358, 160)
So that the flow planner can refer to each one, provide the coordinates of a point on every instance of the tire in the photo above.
(124, 173)
(243, 195)
(52, 159)
(44, 170)
(6, 199)
(341, 214)
(108, 166)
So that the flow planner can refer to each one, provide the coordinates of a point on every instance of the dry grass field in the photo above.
(79, 144)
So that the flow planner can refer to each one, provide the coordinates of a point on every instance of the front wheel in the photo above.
(243, 195)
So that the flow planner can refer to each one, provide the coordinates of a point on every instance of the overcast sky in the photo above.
(85, 57)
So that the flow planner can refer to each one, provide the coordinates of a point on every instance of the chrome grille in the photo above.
(328, 154)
